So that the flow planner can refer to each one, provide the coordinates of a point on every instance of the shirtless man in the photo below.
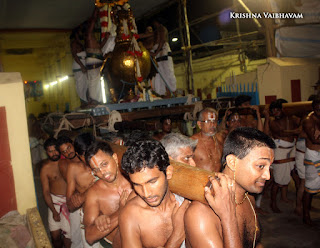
(66, 148)
(209, 149)
(283, 129)
(230, 219)
(243, 101)
(166, 126)
(54, 193)
(105, 198)
(312, 155)
(148, 38)
(80, 179)
(231, 121)
(162, 52)
(180, 148)
(153, 218)
(78, 66)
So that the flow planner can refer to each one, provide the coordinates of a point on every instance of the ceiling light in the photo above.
(63, 79)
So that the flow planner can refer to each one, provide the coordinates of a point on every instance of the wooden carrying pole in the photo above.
(187, 181)
(292, 108)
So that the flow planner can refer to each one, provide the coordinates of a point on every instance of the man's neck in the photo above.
(167, 200)
(53, 162)
(240, 192)
(116, 183)
(75, 159)
(206, 136)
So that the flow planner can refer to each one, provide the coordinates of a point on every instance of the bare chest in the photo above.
(55, 175)
(208, 155)
(156, 233)
(84, 181)
(248, 227)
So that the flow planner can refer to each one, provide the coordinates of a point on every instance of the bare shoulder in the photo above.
(200, 214)
(132, 208)
(47, 167)
(135, 202)
(96, 188)
(202, 225)
(63, 163)
(195, 136)
(45, 164)
(75, 166)
(92, 192)
(221, 137)
(199, 210)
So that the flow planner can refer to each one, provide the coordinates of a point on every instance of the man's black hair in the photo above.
(145, 154)
(82, 142)
(277, 104)
(136, 135)
(63, 140)
(49, 142)
(95, 147)
(241, 99)
(242, 140)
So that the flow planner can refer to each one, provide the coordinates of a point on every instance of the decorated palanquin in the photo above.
(129, 62)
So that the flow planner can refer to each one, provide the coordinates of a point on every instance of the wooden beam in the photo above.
(292, 108)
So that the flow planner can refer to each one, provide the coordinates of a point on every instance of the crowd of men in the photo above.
(97, 200)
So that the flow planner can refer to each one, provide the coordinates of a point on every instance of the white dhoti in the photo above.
(284, 160)
(312, 164)
(83, 234)
(300, 151)
(166, 69)
(80, 77)
(93, 63)
(109, 45)
(75, 229)
(60, 204)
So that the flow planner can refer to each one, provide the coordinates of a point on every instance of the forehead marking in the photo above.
(95, 163)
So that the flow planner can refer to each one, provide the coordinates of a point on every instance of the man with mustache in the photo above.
(106, 197)
(54, 192)
(66, 148)
(229, 219)
(209, 149)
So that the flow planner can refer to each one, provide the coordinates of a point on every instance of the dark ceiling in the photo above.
(57, 14)
(67, 14)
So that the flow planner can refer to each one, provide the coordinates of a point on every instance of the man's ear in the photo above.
(231, 162)
(169, 171)
(199, 124)
(115, 157)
